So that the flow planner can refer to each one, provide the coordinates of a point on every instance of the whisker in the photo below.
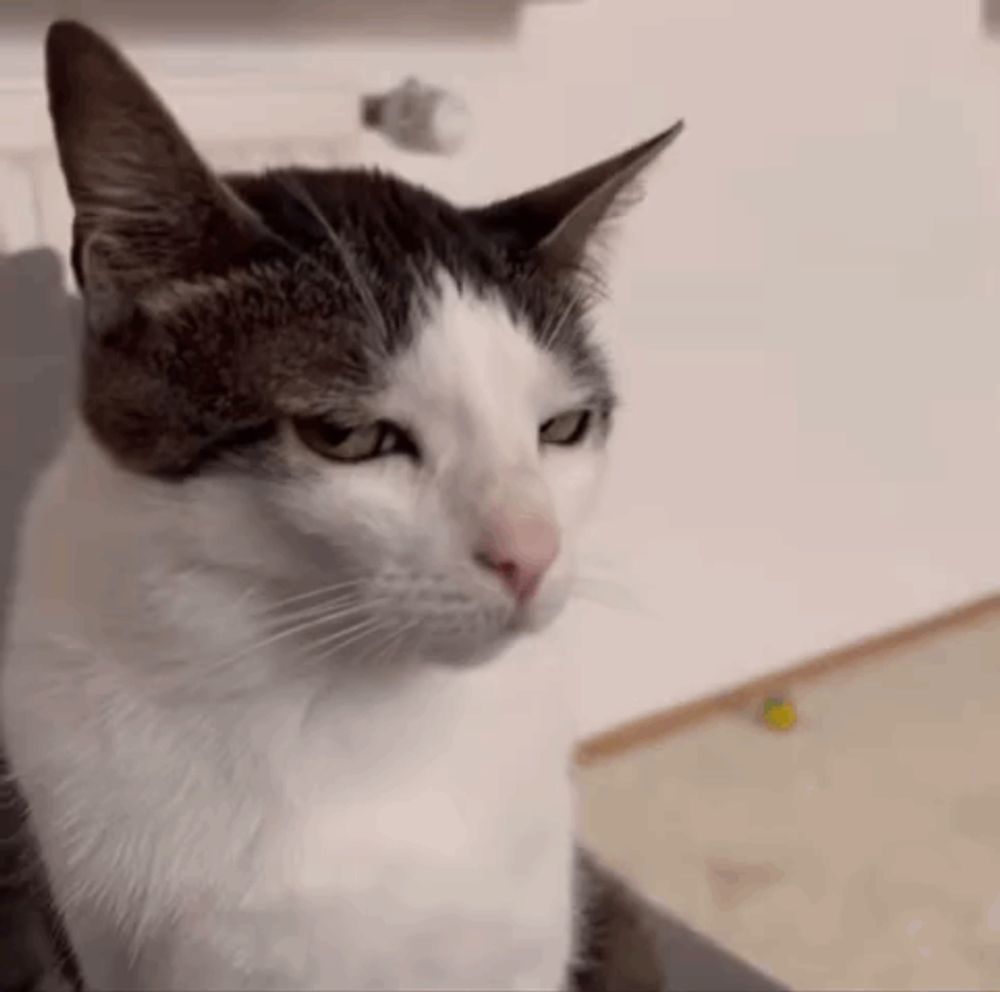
(609, 596)
(553, 333)
(317, 591)
(316, 609)
(297, 628)
(611, 582)
(383, 649)
(342, 638)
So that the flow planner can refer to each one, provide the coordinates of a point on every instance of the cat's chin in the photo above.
(464, 656)
(472, 652)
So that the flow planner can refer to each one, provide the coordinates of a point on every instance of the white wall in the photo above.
(807, 302)
(810, 307)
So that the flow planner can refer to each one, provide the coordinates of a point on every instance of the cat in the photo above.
(281, 691)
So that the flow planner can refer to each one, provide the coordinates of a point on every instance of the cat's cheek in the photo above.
(366, 508)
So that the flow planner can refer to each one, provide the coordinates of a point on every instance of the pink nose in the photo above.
(520, 549)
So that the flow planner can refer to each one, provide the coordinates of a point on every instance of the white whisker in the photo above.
(341, 638)
(383, 649)
(555, 330)
(316, 609)
(298, 628)
(610, 594)
(317, 591)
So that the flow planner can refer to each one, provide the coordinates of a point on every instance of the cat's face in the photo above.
(449, 516)
(388, 411)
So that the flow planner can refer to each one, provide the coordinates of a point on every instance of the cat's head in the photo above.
(340, 381)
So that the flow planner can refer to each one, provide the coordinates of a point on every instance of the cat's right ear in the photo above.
(147, 208)
(559, 222)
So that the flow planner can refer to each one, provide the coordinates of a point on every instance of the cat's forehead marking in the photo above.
(472, 357)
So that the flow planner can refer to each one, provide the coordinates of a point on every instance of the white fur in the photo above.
(226, 804)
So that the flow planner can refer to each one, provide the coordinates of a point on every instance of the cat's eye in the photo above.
(354, 444)
(567, 428)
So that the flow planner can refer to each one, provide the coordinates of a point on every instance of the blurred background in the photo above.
(806, 316)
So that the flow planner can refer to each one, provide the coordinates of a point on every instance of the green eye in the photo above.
(354, 444)
(566, 429)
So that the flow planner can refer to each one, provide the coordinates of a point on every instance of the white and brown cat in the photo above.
(279, 690)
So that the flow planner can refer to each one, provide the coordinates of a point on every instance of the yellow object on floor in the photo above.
(780, 714)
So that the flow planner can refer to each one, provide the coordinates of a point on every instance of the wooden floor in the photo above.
(857, 850)
(650, 728)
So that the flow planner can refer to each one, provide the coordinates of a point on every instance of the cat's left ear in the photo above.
(560, 220)
(147, 209)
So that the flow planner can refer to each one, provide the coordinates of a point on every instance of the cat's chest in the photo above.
(421, 894)
(440, 860)
(462, 814)
(426, 834)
